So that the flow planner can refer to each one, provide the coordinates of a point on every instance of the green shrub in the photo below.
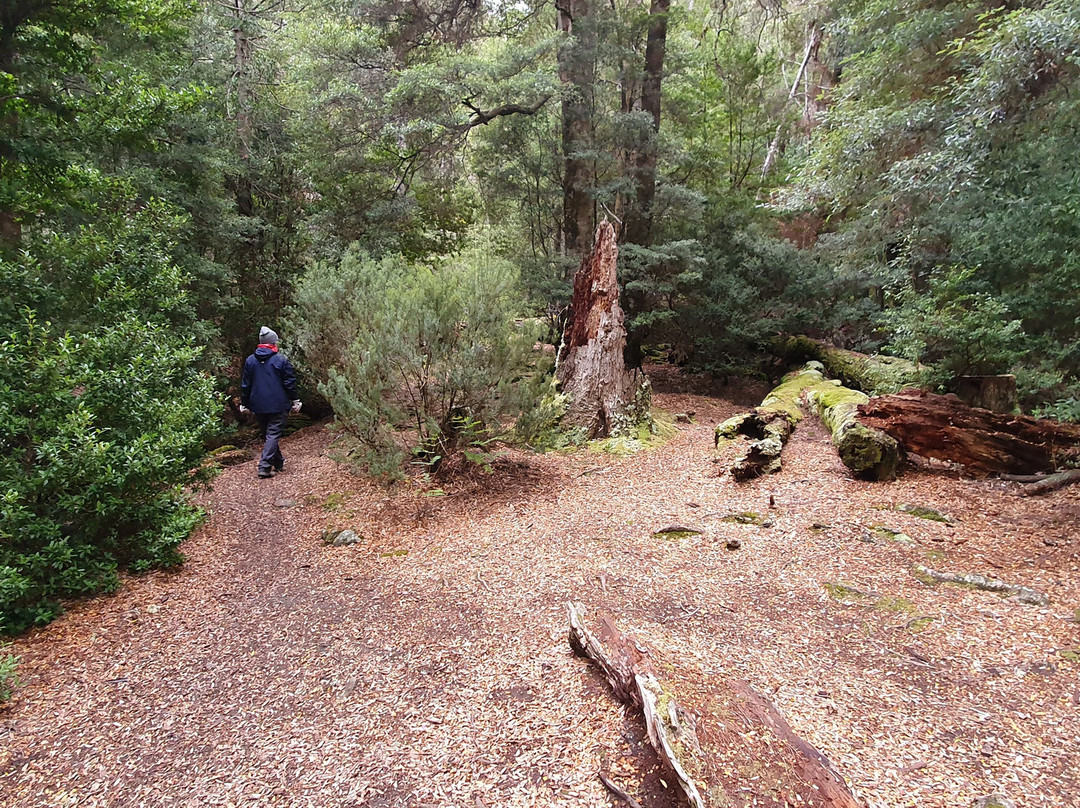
(416, 360)
(9, 679)
(955, 327)
(103, 413)
(97, 434)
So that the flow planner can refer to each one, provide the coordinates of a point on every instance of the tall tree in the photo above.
(639, 217)
(577, 74)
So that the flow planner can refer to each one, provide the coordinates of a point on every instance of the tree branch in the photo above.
(481, 117)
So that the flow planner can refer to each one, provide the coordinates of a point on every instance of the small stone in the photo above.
(347, 537)
(683, 418)
(284, 503)
(993, 801)
(733, 544)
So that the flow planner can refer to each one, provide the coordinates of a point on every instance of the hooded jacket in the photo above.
(269, 382)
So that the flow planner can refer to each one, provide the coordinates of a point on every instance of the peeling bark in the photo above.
(606, 398)
(726, 744)
(945, 428)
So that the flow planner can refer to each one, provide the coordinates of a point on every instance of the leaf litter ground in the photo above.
(428, 665)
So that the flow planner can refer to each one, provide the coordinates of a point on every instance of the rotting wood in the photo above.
(945, 428)
(605, 397)
(868, 453)
(1024, 594)
(725, 743)
(872, 374)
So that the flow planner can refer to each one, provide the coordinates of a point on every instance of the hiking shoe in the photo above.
(266, 472)
(279, 465)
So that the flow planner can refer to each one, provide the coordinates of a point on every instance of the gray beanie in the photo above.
(267, 337)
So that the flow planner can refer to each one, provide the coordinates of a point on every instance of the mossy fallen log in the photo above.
(869, 453)
(768, 426)
(725, 743)
(874, 375)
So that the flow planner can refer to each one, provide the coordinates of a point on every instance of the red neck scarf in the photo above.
(271, 346)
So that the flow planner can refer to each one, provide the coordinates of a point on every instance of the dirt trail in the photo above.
(429, 666)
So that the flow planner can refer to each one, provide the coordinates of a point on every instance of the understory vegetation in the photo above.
(406, 189)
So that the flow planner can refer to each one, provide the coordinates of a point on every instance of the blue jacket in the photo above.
(269, 382)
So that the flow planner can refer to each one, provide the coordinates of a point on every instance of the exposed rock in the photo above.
(339, 538)
(733, 544)
(284, 503)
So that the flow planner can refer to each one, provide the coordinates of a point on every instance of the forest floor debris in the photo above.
(428, 665)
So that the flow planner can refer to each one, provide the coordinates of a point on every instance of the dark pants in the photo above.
(272, 425)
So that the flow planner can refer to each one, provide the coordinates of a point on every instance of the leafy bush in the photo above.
(8, 677)
(97, 433)
(415, 359)
(100, 422)
(955, 327)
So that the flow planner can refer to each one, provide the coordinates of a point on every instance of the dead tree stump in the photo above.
(606, 398)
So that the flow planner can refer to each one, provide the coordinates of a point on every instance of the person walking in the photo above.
(268, 390)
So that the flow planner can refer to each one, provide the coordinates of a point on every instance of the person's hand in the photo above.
(244, 409)
(296, 405)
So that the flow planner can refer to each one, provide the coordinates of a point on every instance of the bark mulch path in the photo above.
(428, 665)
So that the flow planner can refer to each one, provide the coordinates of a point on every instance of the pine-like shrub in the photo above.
(416, 360)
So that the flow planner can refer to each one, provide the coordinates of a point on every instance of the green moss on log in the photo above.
(868, 453)
(875, 375)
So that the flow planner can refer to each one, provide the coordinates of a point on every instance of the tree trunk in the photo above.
(873, 375)
(945, 428)
(726, 744)
(996, 393)
(243, 50)
(639, 217)
(577, 77)
(606, 398)
(813, 42)
(868, 453)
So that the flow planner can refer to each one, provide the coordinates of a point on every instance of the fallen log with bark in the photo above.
(1023, 594)
(867, 452)
(1051, 482)
(873, 375)
(725, 743)
(944, 428)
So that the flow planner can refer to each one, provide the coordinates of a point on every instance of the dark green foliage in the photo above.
(951, 143)
(99, 423)
(9, 679)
